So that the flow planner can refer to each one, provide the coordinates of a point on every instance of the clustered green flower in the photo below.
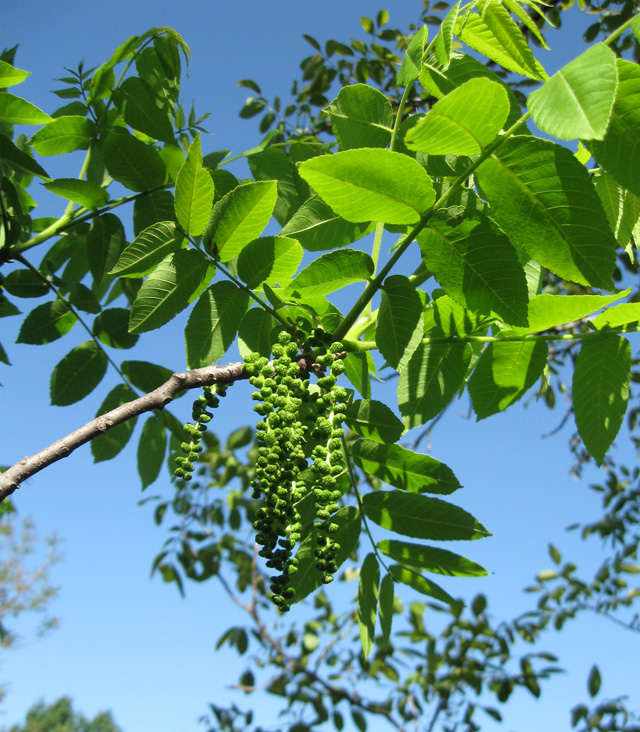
(328, 460)
(285, 442)
(209, 399)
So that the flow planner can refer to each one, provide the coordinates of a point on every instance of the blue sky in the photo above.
(133, 645)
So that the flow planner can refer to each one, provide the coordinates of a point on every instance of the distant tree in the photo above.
(60, 717)
(24, 584)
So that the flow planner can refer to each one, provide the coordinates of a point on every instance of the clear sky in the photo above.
(132, 645)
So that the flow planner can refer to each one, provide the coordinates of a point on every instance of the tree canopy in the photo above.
(418, 143)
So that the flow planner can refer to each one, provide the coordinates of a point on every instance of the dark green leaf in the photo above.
(404, 468)
(504, 373)
(77, 374)
(254, 333)
(19, 160)
(148, 250)
(368, 602)
(213, 323)
(399, 327)
(316, 227)
(273, 164)
(151, 450)
(416, 515)
(144, 375)
(421, 584)
(545, 202)
(169, 289)
(430, 381)
(374, 420)
(105, 242)
(385, 609)
(25, 283)
(152, 209)
(137, 104)
(431, 558)
(135, 164)
(601, 391)
(46, 323)
(112, 328)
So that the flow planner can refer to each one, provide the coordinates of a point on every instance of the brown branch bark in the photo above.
(11, 479)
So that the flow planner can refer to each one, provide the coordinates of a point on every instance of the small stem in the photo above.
(619, 31)
(68, 303)
(398, 120)
(66, 222)
(354, 485)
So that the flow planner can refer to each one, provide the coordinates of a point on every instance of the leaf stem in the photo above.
(618, 32)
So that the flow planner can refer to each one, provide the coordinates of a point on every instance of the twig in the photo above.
(11, 479)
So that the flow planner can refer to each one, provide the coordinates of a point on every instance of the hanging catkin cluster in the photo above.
(286, 440)
(209, 399)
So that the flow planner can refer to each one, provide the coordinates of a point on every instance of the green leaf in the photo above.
(135, 164)
(316, 227)
(274, 164)
(307, 579)
(627, 313)
(271, 259)
(368, 602)
(371, 185)
(144, 375)
(112, 442)
(331, 272)
(238, 218)
(10, 75)
(77, 374)
(594, 681)
(576, 102)
(137, 104)
(152, 209)
(416, 515)
(148, 249)
(444, 39)
(151, 450)
(254, 333)
(431, 559)
(63, 135)
(421, 584)
(361, 116)
(440, 80)
(399, 327)
(194, 192)
(112, 328)
(105, 242)
(385, 609)
(46, 323)
(504, 373)
(619, 152)
(477, 266)
(25, 283)
(448, 318)
(19, 160)
(412, 60)
(601, 391)
(356, 369)
(373, 420)
(495, 35)
(82, 298)
(169, 289)
(545, 202)
(403, 468)
(18, 111)
(86, 194)
(549, 311)
(462, 123)
(213, 323)
(430, 381)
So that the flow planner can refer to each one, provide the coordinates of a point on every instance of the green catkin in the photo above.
(282, 437)
(209, 399)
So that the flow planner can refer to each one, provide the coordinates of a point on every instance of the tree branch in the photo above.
(11, 479)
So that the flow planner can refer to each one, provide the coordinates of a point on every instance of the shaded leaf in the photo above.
(46, 323)
(431, 559)
(331, 272)
(404, 468)
(361, 116)
(112, 442)
(77, 374)
(399, 327)
(136, 165)
(373, 420)
(368, 602)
